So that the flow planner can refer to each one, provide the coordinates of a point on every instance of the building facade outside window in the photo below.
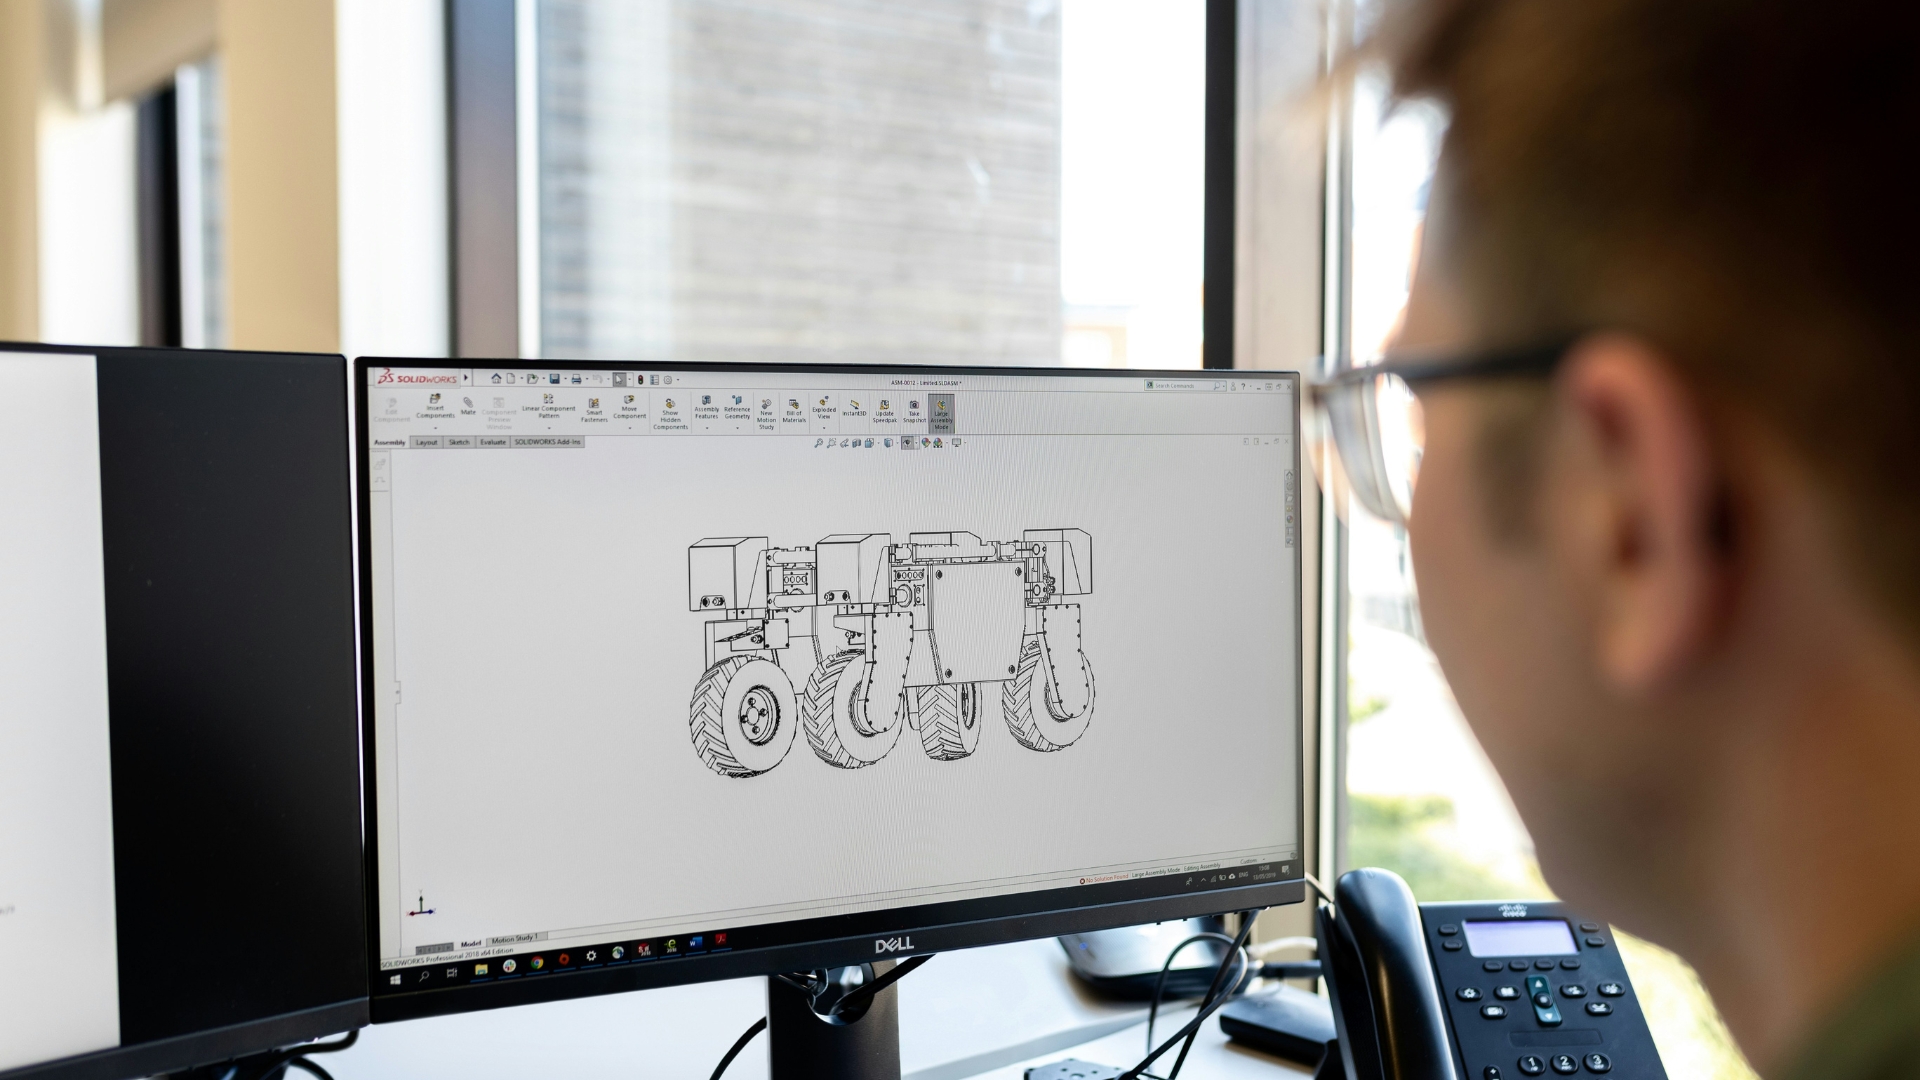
(958, 181)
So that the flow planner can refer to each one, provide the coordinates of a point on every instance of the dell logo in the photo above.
(1513, 911)
(893, 945)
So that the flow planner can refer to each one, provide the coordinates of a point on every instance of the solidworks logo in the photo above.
(388, 375)
(903, 943)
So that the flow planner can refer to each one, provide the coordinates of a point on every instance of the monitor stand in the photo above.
(802, 1045)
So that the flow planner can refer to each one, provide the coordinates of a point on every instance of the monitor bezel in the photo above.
(943, 933)
(207, 1046)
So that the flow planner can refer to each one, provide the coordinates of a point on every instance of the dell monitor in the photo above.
(180, 861)
(678, 672)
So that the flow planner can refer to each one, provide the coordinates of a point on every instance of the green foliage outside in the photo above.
(1413, 837)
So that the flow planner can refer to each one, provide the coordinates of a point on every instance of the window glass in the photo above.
(1422, 798)
(957, 181)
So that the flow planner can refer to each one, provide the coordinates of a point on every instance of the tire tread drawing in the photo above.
(1033, 711)
(722, 749)
(820, 715)
(948, 718)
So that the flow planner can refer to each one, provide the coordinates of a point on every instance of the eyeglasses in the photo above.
(1378, 429)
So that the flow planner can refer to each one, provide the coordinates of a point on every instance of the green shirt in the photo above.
(1876, 1035)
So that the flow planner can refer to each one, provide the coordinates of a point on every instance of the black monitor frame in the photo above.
(186, 497)
(807, 944)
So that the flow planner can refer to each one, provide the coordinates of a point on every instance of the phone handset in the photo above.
(1387, 1008)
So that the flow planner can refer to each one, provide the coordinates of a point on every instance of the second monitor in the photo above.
(689, 672)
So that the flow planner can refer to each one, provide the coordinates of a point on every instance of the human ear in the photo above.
(1631, 510)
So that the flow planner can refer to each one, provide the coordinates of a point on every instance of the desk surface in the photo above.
(985, 1013)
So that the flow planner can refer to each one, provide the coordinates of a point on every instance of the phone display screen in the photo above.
(1520, 937)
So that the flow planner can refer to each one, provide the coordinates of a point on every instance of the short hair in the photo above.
(1725, 178)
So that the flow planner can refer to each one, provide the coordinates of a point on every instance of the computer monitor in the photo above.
(181, 876)
(679, 672)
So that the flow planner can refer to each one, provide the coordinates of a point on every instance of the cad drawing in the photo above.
(856, 638)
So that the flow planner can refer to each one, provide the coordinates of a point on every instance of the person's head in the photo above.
(1655, 566)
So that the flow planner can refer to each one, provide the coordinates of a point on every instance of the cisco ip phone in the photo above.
(1475, 991)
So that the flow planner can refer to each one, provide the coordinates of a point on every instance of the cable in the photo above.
(812, 985)
(1160, 983)
(1267, 948)
(1208, 1006)
(739, 1044)
(1319, 888)
(899, 972)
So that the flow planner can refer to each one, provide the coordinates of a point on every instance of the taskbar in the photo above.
(428, 975)
(421, 973)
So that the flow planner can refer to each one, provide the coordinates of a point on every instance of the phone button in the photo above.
(1611, 989)
(1599, 1008)
(1507, 993)
(1494, 1012)
(1570, 964)
(1491, 1072)
(1451, 944)
(1468, 993)
(1532, 1065)
(1595, 941)
(1518, 965)
(1565, 1064)
(1448, 929)
(1598, 1063)
(1492, 966)
(1543, 965)
(1573, 990)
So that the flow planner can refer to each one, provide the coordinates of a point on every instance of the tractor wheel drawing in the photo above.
(842, 725)
(744, 716)
(948, 719)
(1033, 704)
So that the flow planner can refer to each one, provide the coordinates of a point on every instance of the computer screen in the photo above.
(694, 671)
(180, 863)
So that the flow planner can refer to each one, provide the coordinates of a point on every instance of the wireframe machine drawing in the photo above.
(884, 636)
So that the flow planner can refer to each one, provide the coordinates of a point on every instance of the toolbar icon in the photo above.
(706, 399)
(793, 403)
(618, 952)
(546, 399)
(481, 969)
(434, 399)
(554, 378)
(593, 403)
(508, 966)
(629, 400)
(669, 403)
(496, 378)
(736, 399)
(537, 963)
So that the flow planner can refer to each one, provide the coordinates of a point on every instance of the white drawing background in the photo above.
(548, 656)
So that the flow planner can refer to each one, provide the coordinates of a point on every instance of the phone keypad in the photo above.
(1580, 1018)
